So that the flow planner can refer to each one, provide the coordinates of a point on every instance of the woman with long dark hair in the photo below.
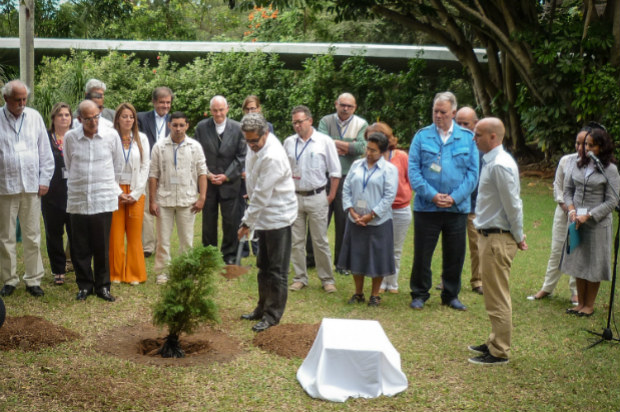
(591, 199)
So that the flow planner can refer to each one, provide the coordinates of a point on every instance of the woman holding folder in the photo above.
(591, 198)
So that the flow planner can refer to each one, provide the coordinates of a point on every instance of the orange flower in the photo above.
(251, 16)
(158, 57)
(154, 71)
(254, 39)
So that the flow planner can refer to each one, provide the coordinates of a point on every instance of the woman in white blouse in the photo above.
(129, 266)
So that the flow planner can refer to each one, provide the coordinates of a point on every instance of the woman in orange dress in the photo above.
(129, 266)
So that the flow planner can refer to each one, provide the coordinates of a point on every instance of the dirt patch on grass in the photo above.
(139, 343)
(288, 340)
(31, 333)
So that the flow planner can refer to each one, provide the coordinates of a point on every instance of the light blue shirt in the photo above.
(499, 204)
(371, 189)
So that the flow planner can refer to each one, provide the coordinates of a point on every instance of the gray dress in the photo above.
(591, 260)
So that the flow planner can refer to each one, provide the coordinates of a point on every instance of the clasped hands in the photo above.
(361, 220)
(443, 200)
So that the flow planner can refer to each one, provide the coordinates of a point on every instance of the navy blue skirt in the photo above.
(368, 250)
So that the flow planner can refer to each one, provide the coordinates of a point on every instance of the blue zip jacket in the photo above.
(458, 159)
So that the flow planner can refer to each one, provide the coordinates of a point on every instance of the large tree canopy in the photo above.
(551, 64)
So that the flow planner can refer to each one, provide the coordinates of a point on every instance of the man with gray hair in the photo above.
(95, 91)
(27, 166)
(224, 148)
(271, 213)
(443, 170)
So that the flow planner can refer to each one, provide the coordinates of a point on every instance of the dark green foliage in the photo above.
(402, 99)
(187, 299)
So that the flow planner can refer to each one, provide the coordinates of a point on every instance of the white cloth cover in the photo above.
(351, 358)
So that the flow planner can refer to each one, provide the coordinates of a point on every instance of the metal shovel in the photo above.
(236, 270)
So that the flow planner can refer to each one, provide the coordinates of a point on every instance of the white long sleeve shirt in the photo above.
(94, 166)
(269, 182)
(26, 159)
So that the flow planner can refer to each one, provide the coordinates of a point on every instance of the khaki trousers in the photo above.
(472, 238)
(165, 224)
(497, 252)
(26, 206)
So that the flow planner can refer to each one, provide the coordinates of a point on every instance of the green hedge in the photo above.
(402, 99)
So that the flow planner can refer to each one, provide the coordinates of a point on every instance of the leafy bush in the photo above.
(186, 300)
(402, 99)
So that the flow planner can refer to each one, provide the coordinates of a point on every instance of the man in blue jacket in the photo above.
(443, 170)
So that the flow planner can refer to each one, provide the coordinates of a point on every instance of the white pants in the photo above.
(148, 226)
(401, 219)
(558, 237)
(26, 206)
(311, 210)
(165, 224)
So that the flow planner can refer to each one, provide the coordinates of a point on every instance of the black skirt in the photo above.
(368, 250)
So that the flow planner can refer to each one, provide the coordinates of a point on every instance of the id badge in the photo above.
(361, 204)
(436, 168)
(65, 173)
(582, 211)
(296, 172)
(20, 147)
(174, 180)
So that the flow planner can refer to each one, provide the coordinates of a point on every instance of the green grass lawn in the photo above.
(548, 371)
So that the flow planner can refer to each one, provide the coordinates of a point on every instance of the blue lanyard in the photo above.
(302, 150)
(159, 129)
(175, 154)
(340, 132)
(364, 180)
(17, 133)
(126, 156)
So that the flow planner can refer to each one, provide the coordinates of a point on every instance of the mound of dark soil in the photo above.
(288, 340)
(139, 343)
(32, 333)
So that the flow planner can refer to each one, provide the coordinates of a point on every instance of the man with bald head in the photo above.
(225, 149)
(27, 166)
(467, 118)
(347, 130)
(443, 171)
(499, 221)
(94, 161)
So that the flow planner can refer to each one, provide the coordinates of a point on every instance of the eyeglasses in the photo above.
(299, 122)
(90, 119)
(253, 141)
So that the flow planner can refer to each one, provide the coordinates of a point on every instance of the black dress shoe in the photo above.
(148, 254)
(7, 290)
(455, 304)
(83, 294)
(251, 316)
(104, 293)
(261, 326)
(35, 291)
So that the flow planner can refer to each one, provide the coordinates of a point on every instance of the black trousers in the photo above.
(228, 206)
(335, 209)
(55, 219)
(427, 227)
(274, 256)
(90, 245)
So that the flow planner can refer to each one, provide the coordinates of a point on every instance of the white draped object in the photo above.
(351, 358)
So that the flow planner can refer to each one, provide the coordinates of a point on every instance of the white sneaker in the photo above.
(135, 283)
(162, 279)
